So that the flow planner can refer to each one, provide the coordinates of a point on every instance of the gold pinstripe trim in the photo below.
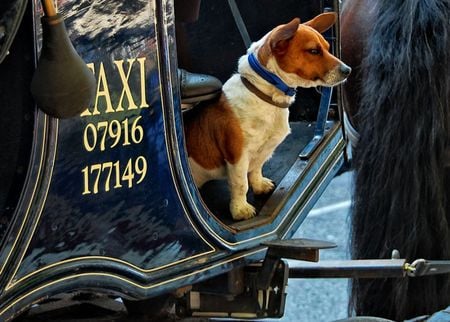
(10, 283)
(117, 260)
(31, 198)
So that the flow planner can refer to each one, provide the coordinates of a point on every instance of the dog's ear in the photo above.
(278, 41)
(279, 38)
(323, 21)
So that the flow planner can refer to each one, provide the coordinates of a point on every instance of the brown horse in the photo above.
(397, 98)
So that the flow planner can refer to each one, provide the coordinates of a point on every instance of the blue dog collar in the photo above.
(270, 77)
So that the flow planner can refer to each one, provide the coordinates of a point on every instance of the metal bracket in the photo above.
(423, 267)
(322, 116)
(300, 249)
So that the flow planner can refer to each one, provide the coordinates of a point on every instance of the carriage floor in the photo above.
(216, 194)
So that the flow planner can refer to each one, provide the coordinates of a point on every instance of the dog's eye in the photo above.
(314, 51)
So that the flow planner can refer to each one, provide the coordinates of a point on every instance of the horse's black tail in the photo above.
(402, 185)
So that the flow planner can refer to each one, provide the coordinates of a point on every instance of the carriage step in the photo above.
(299, 249)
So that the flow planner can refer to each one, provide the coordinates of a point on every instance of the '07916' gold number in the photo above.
(113, 175)
(98, 134)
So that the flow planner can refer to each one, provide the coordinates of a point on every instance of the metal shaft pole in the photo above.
(350, 269)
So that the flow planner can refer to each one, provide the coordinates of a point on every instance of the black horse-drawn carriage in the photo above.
(104, 202)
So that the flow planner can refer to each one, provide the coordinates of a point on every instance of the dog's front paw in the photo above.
(263, 186)
(242, 210)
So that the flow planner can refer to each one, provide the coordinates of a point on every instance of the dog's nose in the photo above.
(345, 70)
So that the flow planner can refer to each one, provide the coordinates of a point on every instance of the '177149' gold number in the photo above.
(111, 175)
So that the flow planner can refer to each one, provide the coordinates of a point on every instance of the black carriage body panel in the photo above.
(101, 184)
(110, 168)
(109, 202)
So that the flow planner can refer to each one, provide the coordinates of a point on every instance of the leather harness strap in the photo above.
(351, 132)
(240, 23)
(266, 98)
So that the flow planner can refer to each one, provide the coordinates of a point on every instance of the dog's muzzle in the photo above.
(338, 74)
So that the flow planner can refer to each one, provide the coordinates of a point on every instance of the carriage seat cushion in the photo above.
(11, 13)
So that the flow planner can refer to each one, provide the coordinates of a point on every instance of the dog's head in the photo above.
(300, 54)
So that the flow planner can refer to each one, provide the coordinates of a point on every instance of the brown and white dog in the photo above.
(234, 136)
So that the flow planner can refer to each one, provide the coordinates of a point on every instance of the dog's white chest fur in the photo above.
(264, 125)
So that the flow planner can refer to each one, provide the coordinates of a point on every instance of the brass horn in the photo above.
(62, 85)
